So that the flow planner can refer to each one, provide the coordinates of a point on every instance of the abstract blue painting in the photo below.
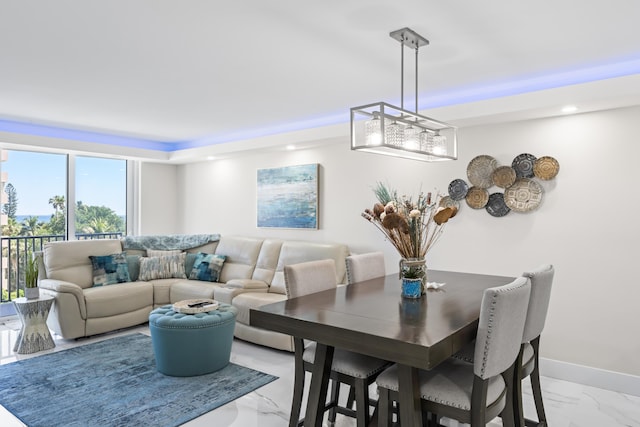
(288, 197)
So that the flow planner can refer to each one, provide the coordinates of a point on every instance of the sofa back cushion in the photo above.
(267, 261)
(69, 260)
(241, 256)
(294, 252)
(207, 248)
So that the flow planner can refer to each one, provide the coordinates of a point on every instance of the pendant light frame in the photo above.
(383, 128)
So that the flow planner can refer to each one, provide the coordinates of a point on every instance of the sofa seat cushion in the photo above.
(162, 290)
(192, 289)
(117, 299)
(245, 302)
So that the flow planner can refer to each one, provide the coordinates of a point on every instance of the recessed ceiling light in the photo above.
(567, 109)
(211, 158)
(291, 147)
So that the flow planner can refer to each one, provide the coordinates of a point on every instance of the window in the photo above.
(48, 196)
(32, 185)
(101, 196)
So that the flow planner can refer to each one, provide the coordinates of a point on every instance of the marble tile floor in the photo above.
(567, 404)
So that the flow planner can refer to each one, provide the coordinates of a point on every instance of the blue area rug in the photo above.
(115, 383)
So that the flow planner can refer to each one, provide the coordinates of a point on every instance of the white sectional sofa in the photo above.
(251, 276)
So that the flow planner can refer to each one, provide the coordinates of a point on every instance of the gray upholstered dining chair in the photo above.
(356, 370)
(473, 393)
(360, 267)
(541, 281)
(365, 266)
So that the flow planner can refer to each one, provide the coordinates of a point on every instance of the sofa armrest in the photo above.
(60, 287)
(248, 284)
(227, 294)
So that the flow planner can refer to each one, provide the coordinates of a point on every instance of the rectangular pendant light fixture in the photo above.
(382, 128)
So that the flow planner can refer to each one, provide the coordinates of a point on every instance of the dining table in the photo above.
(371, 317)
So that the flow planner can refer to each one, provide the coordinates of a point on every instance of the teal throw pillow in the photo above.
(133, 263)
(207, 267)
(110, 269)
(189, 260)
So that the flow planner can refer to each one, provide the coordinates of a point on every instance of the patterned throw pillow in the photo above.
(110, 269)
(207, 267)
(162, 267)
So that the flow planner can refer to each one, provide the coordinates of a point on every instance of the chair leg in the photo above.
(535, 383)
(516, 398)
(362, 402)
(384, 414)
(298, 383)
(335, 395)
(352, 397)
(434, 419)
(479, 402)
(511, 375)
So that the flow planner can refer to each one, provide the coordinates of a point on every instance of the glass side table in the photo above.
(34, 335)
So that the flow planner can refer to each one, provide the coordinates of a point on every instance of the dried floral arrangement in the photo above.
(412, 226)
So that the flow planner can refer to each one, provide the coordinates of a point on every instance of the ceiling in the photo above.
(178, 79)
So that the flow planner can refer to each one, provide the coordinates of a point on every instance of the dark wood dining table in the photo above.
(371, 317)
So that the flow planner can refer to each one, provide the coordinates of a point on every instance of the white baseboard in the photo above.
(594, 377)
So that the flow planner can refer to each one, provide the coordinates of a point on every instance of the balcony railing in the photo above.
(14, 254)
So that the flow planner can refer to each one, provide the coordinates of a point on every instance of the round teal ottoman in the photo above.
(186, 345)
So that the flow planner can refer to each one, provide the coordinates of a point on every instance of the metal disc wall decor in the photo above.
(447, 202)
(504, 176)
(496, 205)
(521, 182)
(458, 189)
(524, 195)
(480, 170)
(477, 197)
(546, 168)
(523, 165)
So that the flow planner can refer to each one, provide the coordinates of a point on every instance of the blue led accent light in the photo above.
(86, 136)
(533, 84)
(449, 98)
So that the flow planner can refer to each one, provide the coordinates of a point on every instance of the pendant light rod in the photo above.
(401, 75)
(407, 37)
(416, 80)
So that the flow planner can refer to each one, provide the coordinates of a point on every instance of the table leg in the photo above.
(409, 396)
(318, 387)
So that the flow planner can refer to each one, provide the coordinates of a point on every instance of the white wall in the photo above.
(585, 225)
(158, 199)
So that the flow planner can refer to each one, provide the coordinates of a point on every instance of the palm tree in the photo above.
(58, 203)
(57, 223)
(31, 226)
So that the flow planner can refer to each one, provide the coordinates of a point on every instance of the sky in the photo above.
(37, 177)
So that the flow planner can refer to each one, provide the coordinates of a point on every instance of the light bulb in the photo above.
(426, 142)
(372, 130)
(439, 144)
(412, 138)
(394, 134)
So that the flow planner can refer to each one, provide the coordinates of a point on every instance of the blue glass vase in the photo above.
(413, 272)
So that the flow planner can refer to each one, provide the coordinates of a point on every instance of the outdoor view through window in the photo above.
(35, 205)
